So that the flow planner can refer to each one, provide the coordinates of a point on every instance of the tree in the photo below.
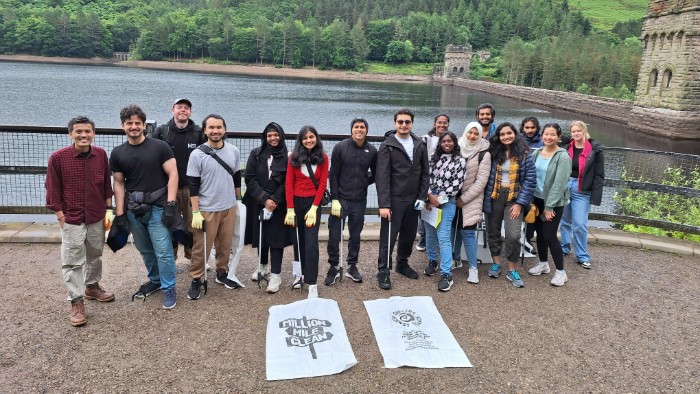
(359, 43)
(399, 52)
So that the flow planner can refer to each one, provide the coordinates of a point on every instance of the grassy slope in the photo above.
(605, 13)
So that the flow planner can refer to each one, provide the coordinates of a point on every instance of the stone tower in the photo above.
(458, 59)
(668, 89)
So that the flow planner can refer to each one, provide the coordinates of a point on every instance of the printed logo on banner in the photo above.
(305, 332)
(414, 339)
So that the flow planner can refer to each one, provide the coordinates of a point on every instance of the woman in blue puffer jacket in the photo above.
(508, 194)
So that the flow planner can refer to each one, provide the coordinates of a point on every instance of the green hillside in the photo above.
(605, 13)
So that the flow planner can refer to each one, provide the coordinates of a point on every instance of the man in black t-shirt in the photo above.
(145, 186)
(183, 136)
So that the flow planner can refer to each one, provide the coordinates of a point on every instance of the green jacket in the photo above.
(556, 191)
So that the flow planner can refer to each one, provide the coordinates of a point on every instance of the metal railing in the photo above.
(629, 172)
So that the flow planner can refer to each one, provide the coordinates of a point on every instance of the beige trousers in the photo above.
(81, 256)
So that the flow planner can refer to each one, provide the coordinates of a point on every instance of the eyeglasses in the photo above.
(401, 122)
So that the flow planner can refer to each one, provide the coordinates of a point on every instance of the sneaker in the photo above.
(473, 275)
(169, 299)
(457, 263)
(264, 269)
(445, 282)
(420, 246)
(353, 273)
(559, 278)
(332, 276)
(195, 290)
(383, 277)
(222, 279)
(298, 283)
(273, 286)
(77, 313)
(529, 248)
(540, 268)
(495, 270)
(514, 277)
(406, 270)
(313, 291)
(96, 292)
(585, 264)
(147, 289)
(430, 269)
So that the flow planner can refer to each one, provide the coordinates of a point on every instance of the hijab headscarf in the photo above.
(469, 148)
(279, 152)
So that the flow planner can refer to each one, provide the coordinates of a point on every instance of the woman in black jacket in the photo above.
(265, 177)
(586, 188)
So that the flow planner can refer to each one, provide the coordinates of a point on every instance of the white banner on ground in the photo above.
(411, 332)
(306, 338)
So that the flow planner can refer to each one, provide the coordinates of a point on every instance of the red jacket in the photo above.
(300, 185)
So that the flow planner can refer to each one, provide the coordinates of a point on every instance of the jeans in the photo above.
(354, 211)
(574, 222)
(153, 240)
(441, 236)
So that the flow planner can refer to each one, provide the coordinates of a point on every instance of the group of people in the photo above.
(186, 179)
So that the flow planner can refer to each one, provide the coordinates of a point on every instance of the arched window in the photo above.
(454, 70)
(646, 41)
(461, 70)
(666, 81)
(652, 79)
(653, 42)
(662, 39)
(680, 38)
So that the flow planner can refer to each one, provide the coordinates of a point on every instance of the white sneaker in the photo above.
(265, 269)
(298, 283)
(559, 278)
(273, 286)
(473, 275)
(540, 268)
(313, 291)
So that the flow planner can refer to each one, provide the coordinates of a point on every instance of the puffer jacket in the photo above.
(527, 178)
(472, 193)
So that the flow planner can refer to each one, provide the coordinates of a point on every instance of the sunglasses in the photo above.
(401, 122)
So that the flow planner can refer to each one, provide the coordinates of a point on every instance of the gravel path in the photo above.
(628, 325)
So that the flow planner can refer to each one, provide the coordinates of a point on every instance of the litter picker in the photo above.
(261, 277)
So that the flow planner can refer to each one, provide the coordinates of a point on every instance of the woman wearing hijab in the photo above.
(265, 177)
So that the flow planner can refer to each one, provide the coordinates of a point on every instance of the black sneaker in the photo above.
(383, 279)
(147, 289)
(353, 273)
(406, 270)
(195, 290)
(222, 279)
(431, 268)
(332, 276)
(445, 282)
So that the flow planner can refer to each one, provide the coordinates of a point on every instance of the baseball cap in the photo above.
(183, 100)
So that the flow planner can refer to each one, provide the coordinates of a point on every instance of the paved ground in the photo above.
(627, 325)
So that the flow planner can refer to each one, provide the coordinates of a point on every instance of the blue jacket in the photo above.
(527, 177)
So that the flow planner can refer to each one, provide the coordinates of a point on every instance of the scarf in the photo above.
(467, 149)
(278, 153)
(514, 187)
(581, 159)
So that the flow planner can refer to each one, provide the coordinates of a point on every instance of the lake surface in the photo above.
(50, 94)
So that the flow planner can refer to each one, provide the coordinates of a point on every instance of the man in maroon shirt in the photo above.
(79, 191)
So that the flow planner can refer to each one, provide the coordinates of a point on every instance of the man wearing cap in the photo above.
(83, 207)
(183, 136)
(353, 165)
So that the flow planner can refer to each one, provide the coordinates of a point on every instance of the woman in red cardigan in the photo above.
(303, 198)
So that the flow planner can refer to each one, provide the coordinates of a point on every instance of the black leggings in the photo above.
(547, 235)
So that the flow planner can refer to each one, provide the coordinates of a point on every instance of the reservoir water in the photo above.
(50, 94)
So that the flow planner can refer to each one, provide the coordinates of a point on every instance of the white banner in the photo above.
(411, 332)
(306, 338)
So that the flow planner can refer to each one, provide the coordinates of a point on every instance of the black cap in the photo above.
(183, 100)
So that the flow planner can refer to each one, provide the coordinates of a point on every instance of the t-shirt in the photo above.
(216, 191)
(407, 144)
(574, 162)
(541, 165)
(142, 164)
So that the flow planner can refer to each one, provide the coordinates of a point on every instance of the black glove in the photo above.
(121, 224)
(169, 213)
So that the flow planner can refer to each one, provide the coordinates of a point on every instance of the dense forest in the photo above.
(540, 43)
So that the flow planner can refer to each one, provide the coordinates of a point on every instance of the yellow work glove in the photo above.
(310, 216)
(335, 208)
(197, 220)
(289, 219)
(109, 217)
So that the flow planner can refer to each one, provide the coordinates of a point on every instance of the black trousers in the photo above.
(354, 211)
(404, 222)
(547, 235)
(308, 239)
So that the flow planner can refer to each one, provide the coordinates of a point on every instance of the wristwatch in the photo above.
(171, 203)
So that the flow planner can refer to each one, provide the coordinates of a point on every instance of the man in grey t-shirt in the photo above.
(213, 194)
